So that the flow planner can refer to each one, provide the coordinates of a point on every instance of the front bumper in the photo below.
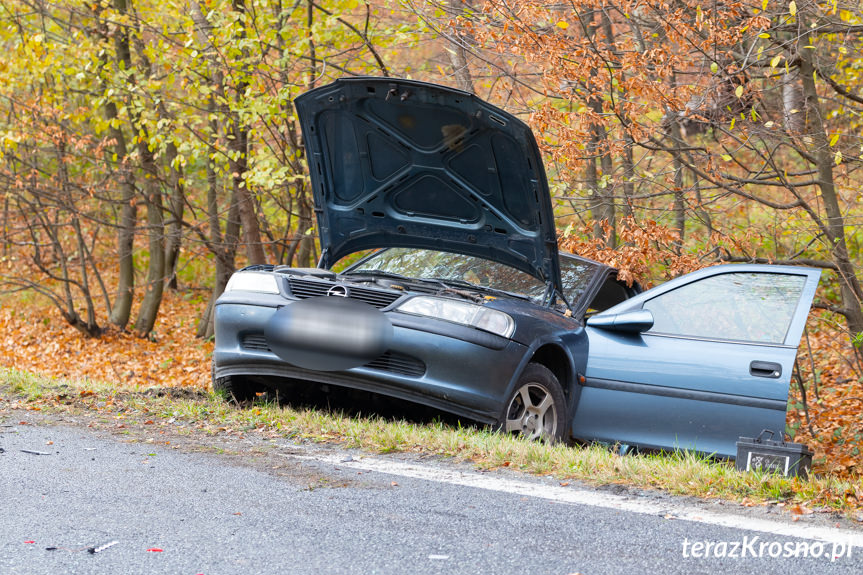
(432, 362)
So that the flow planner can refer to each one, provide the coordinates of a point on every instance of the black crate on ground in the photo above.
(788, 459)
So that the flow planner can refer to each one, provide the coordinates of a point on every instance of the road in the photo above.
(251, 506)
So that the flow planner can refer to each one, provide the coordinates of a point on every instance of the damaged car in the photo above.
(458, 298)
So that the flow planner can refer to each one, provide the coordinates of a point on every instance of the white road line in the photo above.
(578, 496)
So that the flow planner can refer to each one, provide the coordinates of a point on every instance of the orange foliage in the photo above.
(642, 246)
(835, 403)
(36, 339)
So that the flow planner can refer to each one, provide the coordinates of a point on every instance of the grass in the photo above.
(682, 473)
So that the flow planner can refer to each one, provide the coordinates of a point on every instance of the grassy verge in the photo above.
(678, 473)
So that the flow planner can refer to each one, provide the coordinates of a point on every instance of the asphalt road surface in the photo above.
(263, 507)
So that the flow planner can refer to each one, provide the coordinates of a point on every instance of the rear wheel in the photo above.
(536, 409)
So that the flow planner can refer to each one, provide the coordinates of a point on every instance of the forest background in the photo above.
(148, 149)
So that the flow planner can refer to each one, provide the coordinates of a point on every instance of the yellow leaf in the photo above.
(738, 91)
(562, 25)
(763, 5)
(838, 157)
(834, 139)
(792, 8)
(775, 61)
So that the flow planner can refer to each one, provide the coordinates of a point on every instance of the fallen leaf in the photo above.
(801, 510)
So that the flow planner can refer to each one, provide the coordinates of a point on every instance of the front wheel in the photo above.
(232, 388)
(536, 409)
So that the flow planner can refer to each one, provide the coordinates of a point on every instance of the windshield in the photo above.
(458, 268)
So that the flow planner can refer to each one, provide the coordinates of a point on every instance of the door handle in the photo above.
(765, 369)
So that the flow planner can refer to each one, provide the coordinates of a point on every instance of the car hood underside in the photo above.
(397, 163)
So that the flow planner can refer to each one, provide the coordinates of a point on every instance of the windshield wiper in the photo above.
(473, 286)
(379, 273)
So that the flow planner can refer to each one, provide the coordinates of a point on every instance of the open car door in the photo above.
(697, 362)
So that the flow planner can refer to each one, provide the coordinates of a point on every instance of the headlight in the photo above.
(460, 312)
(253, 281)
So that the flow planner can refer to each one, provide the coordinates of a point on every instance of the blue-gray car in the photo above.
(457, 297)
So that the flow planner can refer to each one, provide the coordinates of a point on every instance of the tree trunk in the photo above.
(628, 163)
(457, 51)
(676, 137)
(601, 198)
(225, 251)
(792, 102)
(174, 240)
(122, 308)
(849, 284)
(305, 240)
(238, 136)
(156, 233)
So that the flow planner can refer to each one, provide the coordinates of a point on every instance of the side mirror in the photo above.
(636, 321)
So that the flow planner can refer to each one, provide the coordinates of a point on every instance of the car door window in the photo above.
(750, 307)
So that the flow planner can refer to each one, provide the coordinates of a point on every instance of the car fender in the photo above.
(572, 346)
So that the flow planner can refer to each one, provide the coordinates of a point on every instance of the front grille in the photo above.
(303, 288)
(392, 362)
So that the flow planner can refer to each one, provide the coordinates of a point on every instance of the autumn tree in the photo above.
(181, 118)
(734, 123)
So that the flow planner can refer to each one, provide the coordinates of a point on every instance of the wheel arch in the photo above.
(557, 360)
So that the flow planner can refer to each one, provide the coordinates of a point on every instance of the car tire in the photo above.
(536, 409)
(232, 388)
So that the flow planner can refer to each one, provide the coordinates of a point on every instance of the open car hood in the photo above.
(399, 163)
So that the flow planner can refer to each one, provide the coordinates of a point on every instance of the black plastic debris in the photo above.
(100, 548)
(33, 452)
(765, 454)
(91, 550)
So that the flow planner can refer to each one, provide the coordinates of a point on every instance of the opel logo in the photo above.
(338, 291)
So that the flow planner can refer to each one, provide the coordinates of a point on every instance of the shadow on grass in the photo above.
(335, 399)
